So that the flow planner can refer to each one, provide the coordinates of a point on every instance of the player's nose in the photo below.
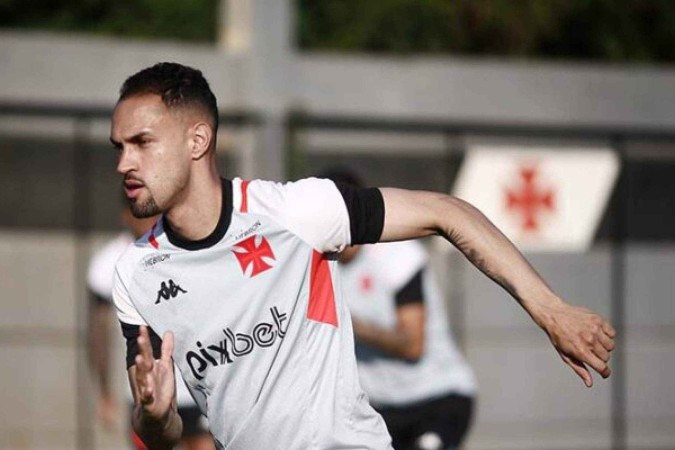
(126, 162)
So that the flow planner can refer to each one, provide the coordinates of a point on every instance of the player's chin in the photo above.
(142, 209)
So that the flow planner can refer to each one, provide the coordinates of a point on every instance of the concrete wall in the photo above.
(36, 67)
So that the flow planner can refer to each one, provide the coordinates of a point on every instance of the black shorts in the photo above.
(440, 423)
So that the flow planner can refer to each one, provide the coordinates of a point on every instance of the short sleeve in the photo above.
(312, 208)
(130, 333)
(126, 311)
(412, 292)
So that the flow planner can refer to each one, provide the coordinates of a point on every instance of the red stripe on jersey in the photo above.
(151, 238)
(244, 196)
(321, 294)
(137, 442)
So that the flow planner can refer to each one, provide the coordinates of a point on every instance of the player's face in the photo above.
(154, 153)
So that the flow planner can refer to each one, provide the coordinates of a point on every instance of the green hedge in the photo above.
(608, 30)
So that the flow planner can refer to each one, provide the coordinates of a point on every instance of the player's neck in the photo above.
(196, 215)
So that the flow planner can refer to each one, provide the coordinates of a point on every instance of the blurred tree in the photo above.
(612, 30)
(195, 20)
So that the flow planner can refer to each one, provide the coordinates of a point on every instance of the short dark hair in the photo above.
(176, 84)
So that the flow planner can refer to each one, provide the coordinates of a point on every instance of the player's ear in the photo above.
(201, 136)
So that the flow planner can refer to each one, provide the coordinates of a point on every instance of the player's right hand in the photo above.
(583, 339)
(155, 379)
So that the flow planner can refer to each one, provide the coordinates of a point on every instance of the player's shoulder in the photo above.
(266, 191)
(135, 252)
(291, 198)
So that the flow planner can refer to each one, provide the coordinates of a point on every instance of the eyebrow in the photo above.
(135, 138)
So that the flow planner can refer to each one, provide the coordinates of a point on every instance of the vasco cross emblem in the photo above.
(258, 255)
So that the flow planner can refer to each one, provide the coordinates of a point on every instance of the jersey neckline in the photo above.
(216, 235)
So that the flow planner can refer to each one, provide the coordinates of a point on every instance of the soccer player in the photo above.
(408, 363)
(100, 273)
(238, 278)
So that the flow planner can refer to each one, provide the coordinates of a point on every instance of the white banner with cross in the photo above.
(542, 198)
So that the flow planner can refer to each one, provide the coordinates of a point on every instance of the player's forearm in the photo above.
(99, 347)
(493, 253)
(157, 434)
(410, 214)
(392, 342)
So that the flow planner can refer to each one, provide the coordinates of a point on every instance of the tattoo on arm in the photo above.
(473, 255)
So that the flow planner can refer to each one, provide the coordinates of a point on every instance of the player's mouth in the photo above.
(132, 188)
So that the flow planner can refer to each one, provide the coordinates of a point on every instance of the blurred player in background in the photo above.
(408, 364)
(196, 434)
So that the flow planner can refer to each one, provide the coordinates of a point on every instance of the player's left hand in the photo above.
(582, 338)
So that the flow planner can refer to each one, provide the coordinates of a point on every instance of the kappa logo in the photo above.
(258, 255)
(169, 291)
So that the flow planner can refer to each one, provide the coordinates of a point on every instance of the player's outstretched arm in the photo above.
(155, 417)
(580, 336)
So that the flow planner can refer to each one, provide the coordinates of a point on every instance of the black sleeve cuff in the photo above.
(366, 213)
(131, 333)
(412, 292)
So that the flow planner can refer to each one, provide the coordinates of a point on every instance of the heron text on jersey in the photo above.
(235, 345)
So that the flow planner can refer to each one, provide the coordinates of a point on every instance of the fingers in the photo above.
(608, 329)
(585, 341)
(144, 366)
(596, 346)
(144, 346)
(600, 351)
(597, 364)
(606, 341)
(167, 347)
(579, 368)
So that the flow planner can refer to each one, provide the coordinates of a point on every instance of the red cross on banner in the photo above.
(544, 198)
(529, 199)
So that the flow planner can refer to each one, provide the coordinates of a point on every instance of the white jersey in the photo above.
(262, 336)
(100, 274)
(370, 283)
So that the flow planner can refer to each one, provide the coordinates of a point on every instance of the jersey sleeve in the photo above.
(412, 292)
(126, 311)
(131, 321)
(365, 207)
(326, 216)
